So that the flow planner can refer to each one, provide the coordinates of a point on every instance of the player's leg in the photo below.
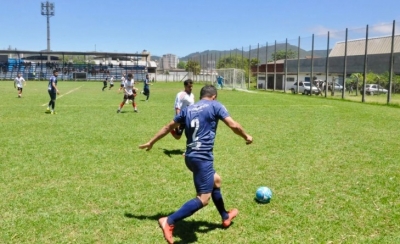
(203, 179)
(121, 105)
(134, 103)
(53, 105)
(219, 203)
(49, 105)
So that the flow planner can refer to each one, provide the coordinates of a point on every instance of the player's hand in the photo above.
(148, 146)
(58, 93)
(249, 139)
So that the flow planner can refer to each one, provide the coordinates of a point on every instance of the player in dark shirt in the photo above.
(201, 122)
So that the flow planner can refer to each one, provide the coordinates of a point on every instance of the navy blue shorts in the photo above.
(203, 174)
(52, 95)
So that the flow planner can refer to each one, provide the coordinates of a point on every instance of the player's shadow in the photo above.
(184, 230)
(169, 153)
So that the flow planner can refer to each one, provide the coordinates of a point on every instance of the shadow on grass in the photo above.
(173, 152)
(261, 203)
(185, 230)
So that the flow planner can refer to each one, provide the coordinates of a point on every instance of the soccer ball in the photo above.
(263, 194)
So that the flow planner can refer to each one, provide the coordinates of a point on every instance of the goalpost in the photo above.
(232, 78)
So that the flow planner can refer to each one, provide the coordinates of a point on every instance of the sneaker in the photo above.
(232, 214)
(53, 112)
(118, 111)
(136, 111)
(48, 110)
(167, 229)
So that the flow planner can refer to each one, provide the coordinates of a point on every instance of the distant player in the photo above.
(129, 93)
(19, 83)
(146, 88)
(105, 83)
(111, 82)
(183, 99)
(220, 81)
(53, 91)
(121, 87)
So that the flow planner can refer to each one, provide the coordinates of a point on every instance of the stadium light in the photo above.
(48, 10)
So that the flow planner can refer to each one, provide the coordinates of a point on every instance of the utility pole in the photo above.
(48, 11)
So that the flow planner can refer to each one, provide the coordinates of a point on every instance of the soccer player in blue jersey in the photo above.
(105, 83)
(201, 121)
(53, 91)
(146, 88)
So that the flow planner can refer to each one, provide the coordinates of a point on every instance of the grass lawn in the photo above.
(79, 177)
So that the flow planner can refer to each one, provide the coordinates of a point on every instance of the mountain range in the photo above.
(262, 53)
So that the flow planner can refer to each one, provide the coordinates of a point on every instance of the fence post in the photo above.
(391, 65)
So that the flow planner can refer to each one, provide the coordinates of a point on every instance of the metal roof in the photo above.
(377, 45)
(106, 54)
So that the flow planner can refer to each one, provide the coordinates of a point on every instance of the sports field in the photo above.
(79, 177)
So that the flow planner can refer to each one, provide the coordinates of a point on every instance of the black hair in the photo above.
(187, 82)
(208, 91)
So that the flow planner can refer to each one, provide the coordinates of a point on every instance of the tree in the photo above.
(193, 66)
(356, 77)
(181, 65)
(281, 54)
(232, 61)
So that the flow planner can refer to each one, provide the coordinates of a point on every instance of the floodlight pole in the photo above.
(48, 10)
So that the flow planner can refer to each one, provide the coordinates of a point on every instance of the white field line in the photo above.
(58, 97)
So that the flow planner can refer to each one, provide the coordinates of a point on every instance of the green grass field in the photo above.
(79, 177)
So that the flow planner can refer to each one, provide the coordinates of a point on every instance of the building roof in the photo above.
(377, 45)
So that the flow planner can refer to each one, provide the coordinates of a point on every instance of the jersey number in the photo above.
(195, 123)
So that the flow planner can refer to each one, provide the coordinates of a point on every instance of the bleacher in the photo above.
(90, 72)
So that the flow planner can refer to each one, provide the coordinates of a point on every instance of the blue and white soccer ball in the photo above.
(263, 194)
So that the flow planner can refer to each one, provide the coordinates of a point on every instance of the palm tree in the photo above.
(356, 77)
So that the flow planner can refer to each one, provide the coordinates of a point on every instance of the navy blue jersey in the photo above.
(201, 121)
(50, 86)
(146, 83)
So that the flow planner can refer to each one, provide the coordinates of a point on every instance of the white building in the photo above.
(168, 61)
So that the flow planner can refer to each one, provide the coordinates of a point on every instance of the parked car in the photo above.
(304, 88)
(338, 87)
(372, 89)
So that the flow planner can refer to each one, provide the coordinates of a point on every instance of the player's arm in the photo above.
(55, 87)
(15, 82)
(160, 134)
(238, 129)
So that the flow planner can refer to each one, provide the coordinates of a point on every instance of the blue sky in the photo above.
(182, 27)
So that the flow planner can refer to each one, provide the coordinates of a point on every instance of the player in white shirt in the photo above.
(183, 99)
(129, 93)
(111, 82)
(19, 83)
(122, 83)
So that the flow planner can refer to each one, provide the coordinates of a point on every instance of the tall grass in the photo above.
(79, 177)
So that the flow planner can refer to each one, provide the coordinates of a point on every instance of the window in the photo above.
(291, 79)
